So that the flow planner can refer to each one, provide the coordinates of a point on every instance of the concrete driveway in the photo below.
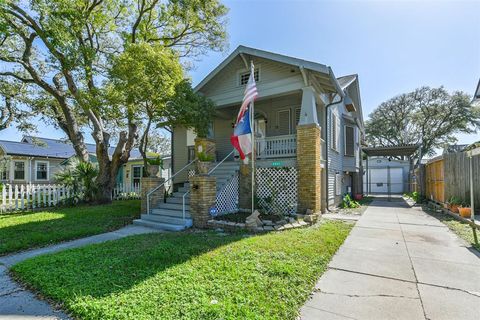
(399, 263)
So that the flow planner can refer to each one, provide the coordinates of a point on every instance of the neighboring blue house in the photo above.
(36, 160)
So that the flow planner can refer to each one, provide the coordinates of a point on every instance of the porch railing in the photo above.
(276, 147)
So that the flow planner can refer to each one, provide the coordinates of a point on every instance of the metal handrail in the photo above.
(213, 169)
(223, 160)
(162, 184)
(171, 178)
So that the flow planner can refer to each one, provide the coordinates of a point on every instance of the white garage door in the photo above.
(378, 180)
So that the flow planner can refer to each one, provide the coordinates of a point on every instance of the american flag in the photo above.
(250, 94)
(241, 138)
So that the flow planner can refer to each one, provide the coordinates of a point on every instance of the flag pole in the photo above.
(252, 123)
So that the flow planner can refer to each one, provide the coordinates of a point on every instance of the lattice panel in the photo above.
(277, 190)
(191, 172)
(227, 197)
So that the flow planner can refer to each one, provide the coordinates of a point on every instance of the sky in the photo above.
(394, 46)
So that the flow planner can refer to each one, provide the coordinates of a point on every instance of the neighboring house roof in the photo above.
(326, 76)
(476, 95)
(48, 148)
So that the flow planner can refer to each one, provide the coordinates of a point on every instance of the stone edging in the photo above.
(268, 225)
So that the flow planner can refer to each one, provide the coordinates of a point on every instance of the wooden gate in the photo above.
(435, 185)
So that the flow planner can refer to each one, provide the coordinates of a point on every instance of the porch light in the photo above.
(349, 104)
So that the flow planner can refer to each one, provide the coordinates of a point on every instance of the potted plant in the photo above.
(358, 196)
(465, 211)
(154, 166)
(203, 162)
(454, 203)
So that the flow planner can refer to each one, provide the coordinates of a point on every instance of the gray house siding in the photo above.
(274, 78)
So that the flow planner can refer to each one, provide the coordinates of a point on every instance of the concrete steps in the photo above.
(168, 215)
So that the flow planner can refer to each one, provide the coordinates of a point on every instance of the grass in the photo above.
(24, 230)
(462, 229)
(191, 275)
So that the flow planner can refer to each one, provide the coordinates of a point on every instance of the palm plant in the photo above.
(80, 177)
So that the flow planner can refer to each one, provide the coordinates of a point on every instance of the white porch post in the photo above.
(308, 111)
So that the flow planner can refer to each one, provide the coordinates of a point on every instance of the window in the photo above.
(137, 175)
(338, 184)
(349, 141)
(283, 122)
(19, 170)
(246, 75)
(334, 132)
(191, 153)
(297, 115)
(41, 170)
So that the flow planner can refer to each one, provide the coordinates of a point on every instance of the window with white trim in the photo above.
(41, 170)
(244, 76)
(349, 141)
(19, 170)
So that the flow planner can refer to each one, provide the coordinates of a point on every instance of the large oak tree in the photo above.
(427, 116)
(63, 49)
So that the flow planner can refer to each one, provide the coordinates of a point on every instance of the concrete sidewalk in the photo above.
(399, 263)
(18, 303)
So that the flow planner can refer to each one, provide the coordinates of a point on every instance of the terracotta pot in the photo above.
(358, 196)
(465, 212)
(454, 208)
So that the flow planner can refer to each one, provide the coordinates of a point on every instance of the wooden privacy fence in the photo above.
(457, 176)
(30, 196)
(434, 180)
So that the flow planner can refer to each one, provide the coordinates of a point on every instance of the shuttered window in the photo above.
(349, 141)
(283, 122)
(246, 75)
(297, 115)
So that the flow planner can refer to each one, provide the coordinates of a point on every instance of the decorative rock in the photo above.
(259, 229)
(303, 223)
(310, 218)
(253, 221)
(240, 225)
(268, 228)
(308, 212)
(281, 222)
(267, 222)
(291, 220)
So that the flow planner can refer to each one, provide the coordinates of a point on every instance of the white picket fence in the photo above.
(127, 191)
(31, 196)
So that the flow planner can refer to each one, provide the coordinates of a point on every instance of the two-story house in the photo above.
(291, 175)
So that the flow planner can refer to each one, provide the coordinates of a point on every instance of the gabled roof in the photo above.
(346, 81)
(331, 83)
(476, 95)
(48, 148)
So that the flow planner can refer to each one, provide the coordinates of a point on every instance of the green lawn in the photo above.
(190, 275)
(24, 230)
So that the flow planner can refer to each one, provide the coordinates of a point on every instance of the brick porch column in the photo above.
(245, 186)
(309, 171)
(203, 190)
(156, 197)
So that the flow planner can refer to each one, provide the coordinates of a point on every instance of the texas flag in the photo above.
(242, 134)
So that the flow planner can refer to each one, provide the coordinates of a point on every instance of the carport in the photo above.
(386, 178)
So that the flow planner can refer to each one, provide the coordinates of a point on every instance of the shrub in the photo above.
(81, 178)
(348, 202)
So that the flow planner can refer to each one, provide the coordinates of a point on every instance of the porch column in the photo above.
(309, 181)
(148, 183)
(308, 111)
(203, 192)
